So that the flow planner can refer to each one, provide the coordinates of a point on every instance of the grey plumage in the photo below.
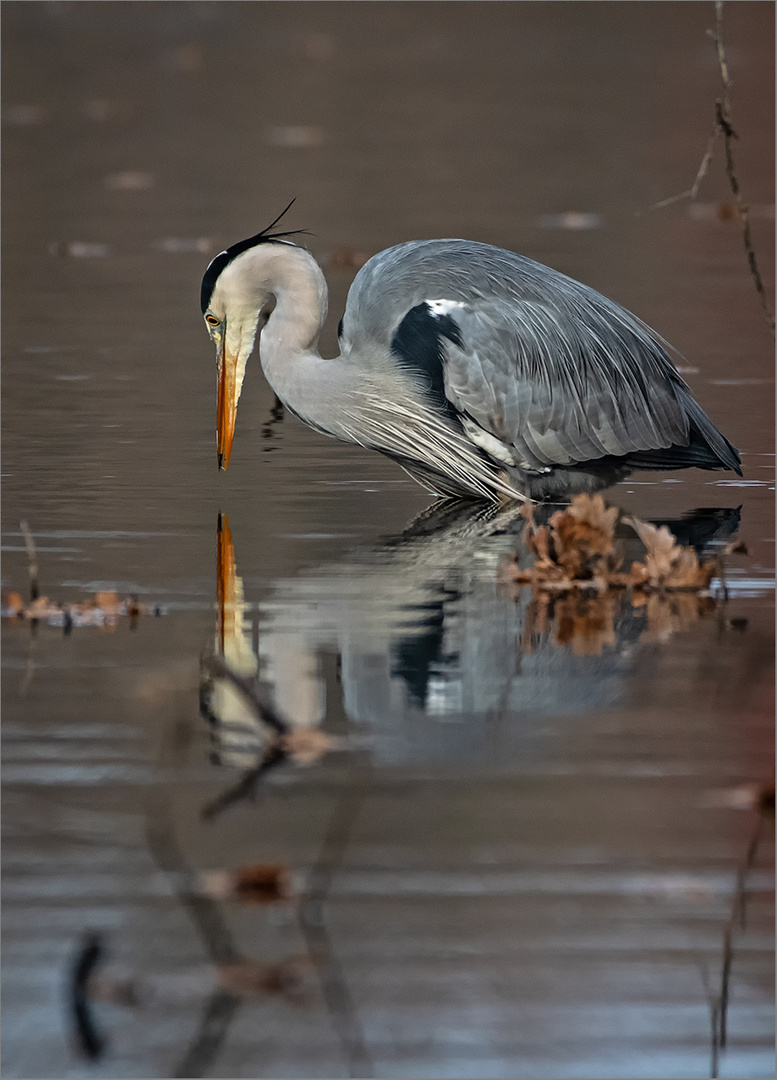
(487, 374)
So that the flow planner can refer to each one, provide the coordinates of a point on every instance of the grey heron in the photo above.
(483, 373)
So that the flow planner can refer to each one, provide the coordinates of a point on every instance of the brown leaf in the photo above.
(735, 547)
(592, 509)
(577, 543)
(668, 565)
(262, 883)
(108, 603)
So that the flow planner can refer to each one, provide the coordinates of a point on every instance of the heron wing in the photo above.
(570, 383)
(544, 364)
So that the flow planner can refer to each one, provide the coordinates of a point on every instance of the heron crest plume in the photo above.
(225, 257)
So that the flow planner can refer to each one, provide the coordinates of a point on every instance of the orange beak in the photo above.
(225, 575)
(226, 409)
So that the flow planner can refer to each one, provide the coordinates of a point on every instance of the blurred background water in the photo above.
(525, 856)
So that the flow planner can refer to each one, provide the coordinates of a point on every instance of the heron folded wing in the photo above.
(565, 384)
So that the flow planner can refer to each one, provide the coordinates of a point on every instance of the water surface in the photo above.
(524, 852)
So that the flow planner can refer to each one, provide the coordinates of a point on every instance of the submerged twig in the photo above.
(217, 1015)
(204, 914)
(692, 192)
(217, 665)
(246, 786)
(736, 920)
(311, 915)
(90, 1042)
(723, 120)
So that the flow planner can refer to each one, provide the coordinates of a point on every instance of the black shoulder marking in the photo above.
(418, 343)
(339, 329)
(224, 258)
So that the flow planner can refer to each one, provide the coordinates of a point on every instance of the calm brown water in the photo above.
(521, 858)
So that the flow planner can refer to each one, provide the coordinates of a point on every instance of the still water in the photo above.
(521, 848)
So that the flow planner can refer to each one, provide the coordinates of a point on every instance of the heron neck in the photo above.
(301, 301)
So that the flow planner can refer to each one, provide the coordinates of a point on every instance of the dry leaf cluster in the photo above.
(577, 550)
(102, 610)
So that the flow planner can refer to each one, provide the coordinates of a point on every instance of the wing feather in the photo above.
(560, 391)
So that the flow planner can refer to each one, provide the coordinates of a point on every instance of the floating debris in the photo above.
(722, 211)
(572, 220)
(295, 136)
(346, 258)
(315, 47)
(756, 796)
(252, 978)
(129, 181)
(103, 610)
(78, 249)
(184, 245)
(101, 110)
(263, 883)
(24, 115)
(187, 58)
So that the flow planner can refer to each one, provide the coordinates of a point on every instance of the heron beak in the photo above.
(226, 409)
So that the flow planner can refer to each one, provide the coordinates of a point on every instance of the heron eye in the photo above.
(211, 320)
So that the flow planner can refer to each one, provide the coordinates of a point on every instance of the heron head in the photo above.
(232, 317)
(235, 290)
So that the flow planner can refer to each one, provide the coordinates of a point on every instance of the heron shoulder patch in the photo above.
(418, 343)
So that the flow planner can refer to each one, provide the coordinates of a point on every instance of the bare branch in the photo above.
(723, 127)
(723, 122)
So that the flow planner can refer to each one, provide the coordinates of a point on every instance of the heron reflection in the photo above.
(433, 649)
